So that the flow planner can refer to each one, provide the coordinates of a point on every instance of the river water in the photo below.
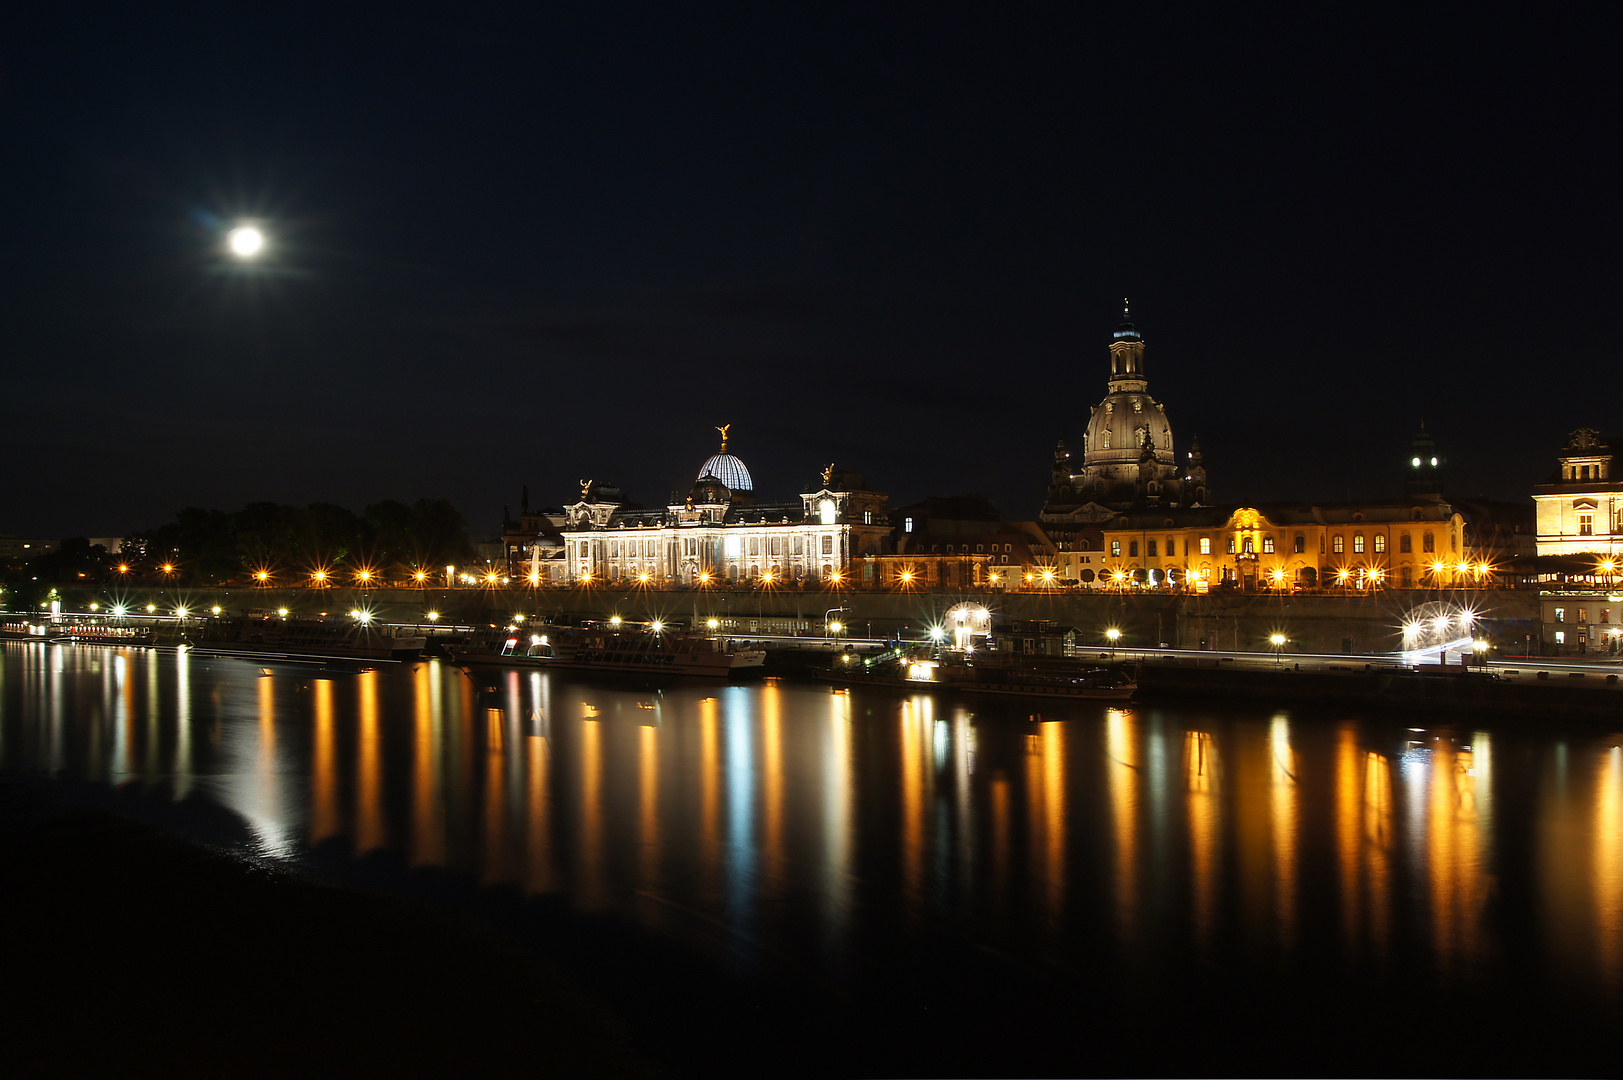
(1214, 885)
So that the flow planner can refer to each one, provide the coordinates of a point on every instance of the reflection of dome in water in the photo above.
(730, 471)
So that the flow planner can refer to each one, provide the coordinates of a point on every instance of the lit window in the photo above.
(1560, 637)
(1380, 543)
(1205, 545)
(907, 524)
(1560, 614)
(1115, 549)
(1338, 544)
(1267, 545)
(1586, 524)
(1358, 543)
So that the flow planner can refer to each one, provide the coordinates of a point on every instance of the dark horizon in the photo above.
(508, 251)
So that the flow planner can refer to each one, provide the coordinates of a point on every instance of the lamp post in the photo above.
(1278, 642)
(1114, 635)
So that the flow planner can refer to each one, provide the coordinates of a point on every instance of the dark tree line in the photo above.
(289, 543)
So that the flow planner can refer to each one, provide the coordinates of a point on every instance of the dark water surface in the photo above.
(873, 883)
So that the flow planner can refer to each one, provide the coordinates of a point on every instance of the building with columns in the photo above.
(721, 533)
(1579, 509)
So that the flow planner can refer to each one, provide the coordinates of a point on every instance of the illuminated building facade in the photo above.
(721, 533)
(1128, 460)
(1579, 509)
(1399, 544)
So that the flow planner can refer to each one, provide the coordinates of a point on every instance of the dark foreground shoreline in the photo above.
(126, 948)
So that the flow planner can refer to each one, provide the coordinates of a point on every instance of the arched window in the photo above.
(1380, 543)
(1150, 550)
(1358, 543)
(1250, 547)
(1172, 546)
(1428, 543)
(1300, 544)
(1405, 543)
(1338, 544)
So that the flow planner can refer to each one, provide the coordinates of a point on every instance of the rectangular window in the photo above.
(1267, 545)
(1560, 614)
(1358, 543)
(1560, 638)
(1132, 549)
(755, 545)
(1172, 547)
(1583, 614)
(1115, 549)
(1300, 544)
(1405, 543)
(1338, 544)
(1150, 549)
(1231, 545)
(1380, 543)
(1205, 545)
(828, 545)
(907, 524)
(777, 545)
(800, 545)
(867, 517)
(1427, 543)
(1586, 524)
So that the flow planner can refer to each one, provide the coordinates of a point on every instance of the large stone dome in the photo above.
(1115, 434)
(729, 470)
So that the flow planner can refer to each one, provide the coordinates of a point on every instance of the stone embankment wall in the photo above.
(1219, 621)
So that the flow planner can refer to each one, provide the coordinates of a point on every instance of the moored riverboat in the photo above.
(100, 632)
(951, 670)
(638, 651)
(305, 641)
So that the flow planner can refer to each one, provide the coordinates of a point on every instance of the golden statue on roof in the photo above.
(723, 429)
(585, 490)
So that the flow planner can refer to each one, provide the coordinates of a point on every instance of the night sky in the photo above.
(531, 249)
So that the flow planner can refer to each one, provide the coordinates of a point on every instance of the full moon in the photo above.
(246, 240)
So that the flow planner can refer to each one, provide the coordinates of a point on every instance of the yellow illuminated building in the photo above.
(1400, 544)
